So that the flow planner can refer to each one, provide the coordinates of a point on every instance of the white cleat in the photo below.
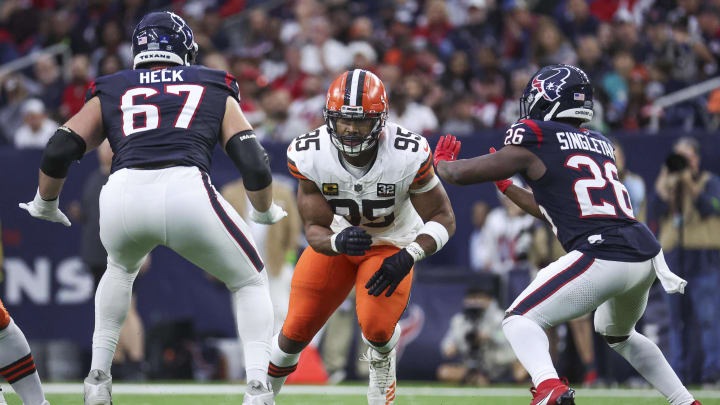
(258, 393)
(2, 398)
(381, 390)
(98, 388)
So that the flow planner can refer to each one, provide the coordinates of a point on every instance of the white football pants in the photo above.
(577, 284)
(179, 208)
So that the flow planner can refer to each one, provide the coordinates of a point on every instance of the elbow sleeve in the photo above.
(251, 159)
(62, 149)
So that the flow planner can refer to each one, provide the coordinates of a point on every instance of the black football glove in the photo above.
(353, 241)
(392, 271)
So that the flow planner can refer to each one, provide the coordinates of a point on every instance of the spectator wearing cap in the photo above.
(14, 93)
(38, 128)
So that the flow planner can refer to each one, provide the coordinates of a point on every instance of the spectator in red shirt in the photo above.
(74, 95)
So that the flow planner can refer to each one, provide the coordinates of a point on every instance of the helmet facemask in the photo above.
(366, 129)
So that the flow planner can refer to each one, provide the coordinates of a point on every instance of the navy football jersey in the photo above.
(163, 117)
(580, 193)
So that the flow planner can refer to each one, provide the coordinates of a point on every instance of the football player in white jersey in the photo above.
(371, 206)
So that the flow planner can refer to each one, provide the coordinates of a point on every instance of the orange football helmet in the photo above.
(356, 95)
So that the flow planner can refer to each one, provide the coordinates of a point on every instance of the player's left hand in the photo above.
(269, 217)
(447, 148)
(47, 210)
(392, 271)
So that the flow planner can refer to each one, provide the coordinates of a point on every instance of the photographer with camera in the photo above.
(476, 342)
(686, 212)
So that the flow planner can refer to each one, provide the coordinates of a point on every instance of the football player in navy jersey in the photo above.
(163, 118)
(612, 259)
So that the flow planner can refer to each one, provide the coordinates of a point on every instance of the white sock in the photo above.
(18, 367)
(112, 302)
(254, 313)
(531, 347)
(281, 365)
(648, 360)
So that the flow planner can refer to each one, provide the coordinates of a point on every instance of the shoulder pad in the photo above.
(221, 79)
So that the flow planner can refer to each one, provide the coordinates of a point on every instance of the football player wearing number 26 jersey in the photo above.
(372, 207)
(612, 259)
(162, 121)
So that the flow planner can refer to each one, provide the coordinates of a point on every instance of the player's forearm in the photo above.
(318, 238)
(479, 169)
(49, 187)
(261, 199)
(525, 200)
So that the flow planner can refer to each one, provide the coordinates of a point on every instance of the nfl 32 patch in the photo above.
(385, 190)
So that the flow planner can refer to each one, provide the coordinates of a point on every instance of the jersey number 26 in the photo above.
(599, 180)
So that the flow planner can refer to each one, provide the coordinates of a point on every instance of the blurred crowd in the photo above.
(454, 66)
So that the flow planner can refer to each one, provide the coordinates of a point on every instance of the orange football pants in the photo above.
(4, 316)
(321, 283)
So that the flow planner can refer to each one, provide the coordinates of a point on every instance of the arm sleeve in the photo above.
(708, 202)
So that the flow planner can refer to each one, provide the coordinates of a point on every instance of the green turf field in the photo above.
(226, 394)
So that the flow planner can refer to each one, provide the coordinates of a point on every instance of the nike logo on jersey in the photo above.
(160, 76)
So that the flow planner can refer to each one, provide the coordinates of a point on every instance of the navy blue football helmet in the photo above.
(163, 36)
(558, 91)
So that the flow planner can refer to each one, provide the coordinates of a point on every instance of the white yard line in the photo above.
(227, 389)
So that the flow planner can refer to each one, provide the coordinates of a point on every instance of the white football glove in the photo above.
(269, 217)
(47, 210)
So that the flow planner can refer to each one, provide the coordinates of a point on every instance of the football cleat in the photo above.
(381, 390)
(696, 403)
(2, 398)
(553, 392)
(258, 393)
(98, 388)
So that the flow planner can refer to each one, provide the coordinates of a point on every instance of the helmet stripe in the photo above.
(360, 87)
(353, 86)
(348, 87)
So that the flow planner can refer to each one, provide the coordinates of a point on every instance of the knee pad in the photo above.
(387, 346)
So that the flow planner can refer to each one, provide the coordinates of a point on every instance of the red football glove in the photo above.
(447, 148)
(501, 185)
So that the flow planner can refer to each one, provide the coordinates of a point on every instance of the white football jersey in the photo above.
(379, 201)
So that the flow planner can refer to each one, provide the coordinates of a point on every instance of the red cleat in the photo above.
(553, 392)
(696, 403)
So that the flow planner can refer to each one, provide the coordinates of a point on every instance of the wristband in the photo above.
(416, 251)
(332, 243)
(436, 231)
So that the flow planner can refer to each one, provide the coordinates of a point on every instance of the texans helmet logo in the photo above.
(181, 27)
(550, 82)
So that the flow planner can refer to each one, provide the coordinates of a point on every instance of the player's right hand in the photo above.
(47, 210)
(447, 148)
(501, 185)
(352, 241)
